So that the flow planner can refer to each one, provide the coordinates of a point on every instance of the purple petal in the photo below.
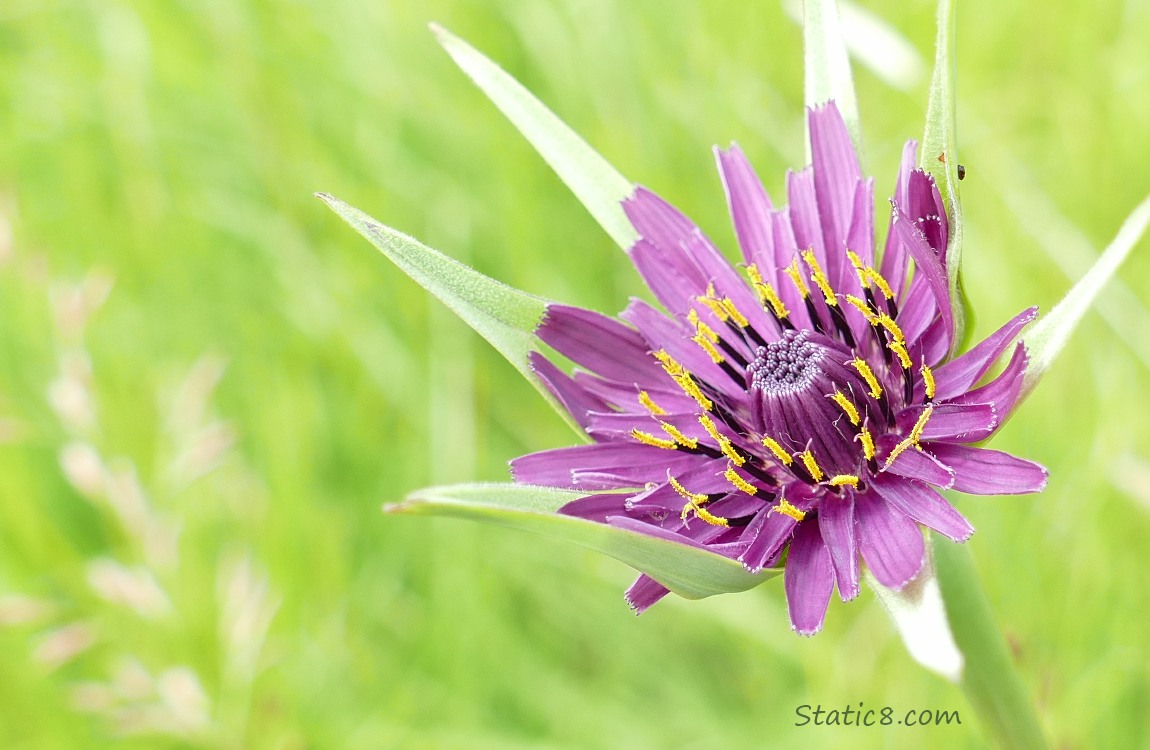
(804, 211)
(597, 342)
(923, 504)
(644, 592)
(606, 466)
(916, 464)
(1004, 390)
(860, 237)
(750, 208)
(924, 206)
(672, 278)
(890, 542)
(965, 423)
(894, 258)
(574, 397)
(918, 310)
(837, 526)
(981, 471)
(809, 579)
(596, 508)
(836, 172)
(957, 376)
(927, 262)
(769, 535)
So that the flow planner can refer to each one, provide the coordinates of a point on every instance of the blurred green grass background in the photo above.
(191, 549)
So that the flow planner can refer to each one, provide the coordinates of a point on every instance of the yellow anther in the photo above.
(867, 374)
(682, 378)
(867, 443)
(900, 351)
(649, 403)
(864, 308)
(713, 302)
(710, 517)
(820, 278)
(768, 293)
(812, 467)
(847, 407)
(740, 484)
(880, 282)
(739, 319)
(892, 328)
(724, 443)
(860, 268)
(705, 344)
(678, 436)
(928, 380)
(788, 510)
(648, 439)
(920, 425)
(694, 498)
(797, 277)
(773, 446)
(910, 440)
(843, 480)
(754, 274)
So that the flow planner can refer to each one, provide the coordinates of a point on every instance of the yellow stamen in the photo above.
(866, 374)
(679, 437)
(842, 480)
(797, 277)
(682, 378)
(862, 307)
(812, 467)
(741, 484)
(788, 510)
(773, 446)
(820, 278)
(920, 425)
(739, 319)
(711, 518)
(724, 443)
(901, 352)
(910, 440)
(649, 403)
(892, 328)
(860, 268)
(928, 380)
(648, 439)
(712, 301)
(880, 282)
(695, 498)
(705, 344)
(867, 443)
(847, 407)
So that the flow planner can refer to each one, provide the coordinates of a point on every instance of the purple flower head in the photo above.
(800, 410)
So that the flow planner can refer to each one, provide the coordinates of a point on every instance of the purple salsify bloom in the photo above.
(806, 413)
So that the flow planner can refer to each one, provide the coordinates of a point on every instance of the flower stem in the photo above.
(990, 681)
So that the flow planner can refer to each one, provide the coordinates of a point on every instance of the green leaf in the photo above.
(1046, 338)
(919, 615)
(827, 65)
(688, 571)
(501, 314)
(597, 185)
(939, 156)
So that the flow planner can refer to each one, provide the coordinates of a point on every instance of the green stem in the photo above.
(990, 681)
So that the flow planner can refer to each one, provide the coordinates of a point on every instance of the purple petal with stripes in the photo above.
(982, 471)
(958, 375)
(923, 504)
(837, 526)
(891, 543)
(809, 579)
(573, 397)
(597, 342)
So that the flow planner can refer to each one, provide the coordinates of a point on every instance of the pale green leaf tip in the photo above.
(919, 615)
(1046, 339)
